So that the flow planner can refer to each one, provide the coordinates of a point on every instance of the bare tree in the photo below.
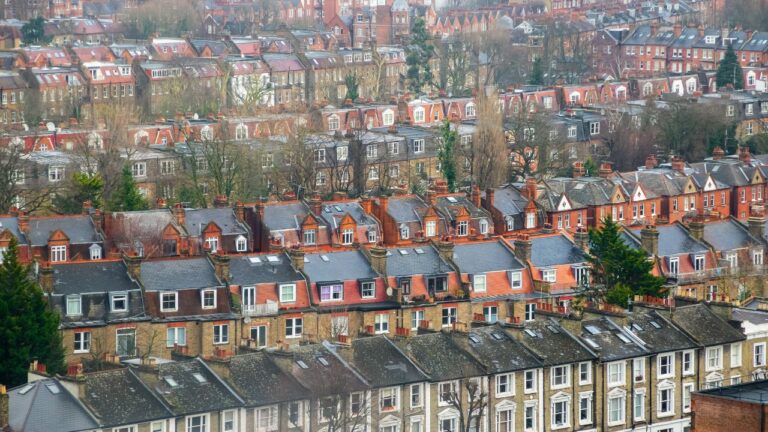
(470, 400)
(489, 147)
(533, 150)
(456, 66)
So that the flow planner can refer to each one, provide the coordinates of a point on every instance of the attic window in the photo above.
(403, 252)
(26, 389)
(273, 259)
(254, 260)
(451, 199)
(497, 336)
(322, 361)
(623, 338)
(474, 338)
(655, 324)
(637, 327)
(53, 388)
(530, 333)
(302, 364)
(325, 258)
(592, 329)
(592, 343)
(199, 378)
(553, 329)
(170, 381)
(419, 251)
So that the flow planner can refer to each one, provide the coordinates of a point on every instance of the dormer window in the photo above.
(347, 236)
(367, 289)
(404, 232)
(309, 237)
(332, 292)
(483, 226)
(74, 305)
(208, 298)
(431, 228)
(95, 251)
(510, 223)
(462, 228)
(212, 244)
(241, 244)
(437, 284)
(698, 263)
(168, 302)
(479, 283)
(119, 302)
(58, 253)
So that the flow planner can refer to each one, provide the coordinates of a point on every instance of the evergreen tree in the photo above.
(446, 154)
(420, 52)
(618, 270)
(127, 196)
(33, 32)
(353, 87)
(537, 73)
(729, 71)
(84, 188)
(29, 329)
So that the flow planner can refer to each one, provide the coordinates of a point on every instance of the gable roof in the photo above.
(79, 229)
(482, 257)
(63, 413)
(382, 363)
(439, 357)
(704, 326)
(340, 266)
(555, 250)
(197, 219)
(118, 397)
(176, 274)
(424, 260)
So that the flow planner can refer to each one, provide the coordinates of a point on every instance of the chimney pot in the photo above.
(523, 248)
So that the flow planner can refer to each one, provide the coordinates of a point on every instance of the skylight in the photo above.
(497, 336)
(273, 259)
(322, 361)
(302, 364)
(254, 260)
(592, 329)
(170, 381)
(474, 338)
(419, 251)
(338, 209)
(655, 324)
(592, 343)
(451, 199)
(403, 252)
(26, 389)
(637, 327)
(199, 378)
(53, 388)
(325, 258)
(622, 337)
(530, 332)
(553, 329)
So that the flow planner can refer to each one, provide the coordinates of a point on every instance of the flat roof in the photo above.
(753, 392)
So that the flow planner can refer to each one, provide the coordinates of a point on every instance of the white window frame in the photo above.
(638, 369)
(479, 283)
(565, 412)
(241, 244)
(622, 402)
(58, 253)
(296, 325)
(735, 354)
(687, 399)
(639, 396)
(175, 301)
(529, 381)
(557, 380)
(758, 354)
(74, 305)
(118, 296)
(585, 368)
(203, 295)
(670, 403)
(670, 366)
(616, 373)
(203, 427)
(173, 336)
(505, 385)
(82, 342)
(220, 337)
(714, 358)
(381, 323)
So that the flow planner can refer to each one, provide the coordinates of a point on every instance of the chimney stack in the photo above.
(379, 259)
(98, 219)
(578, 169)
(678, 165)
(581, 238)
(23, 221)
(605, 170)
(178, 212)
(430, 197)
(316, 205)
(523, 248)
(756, 222)
(718, 153)
(5, 418)
(220, 201)
(489, 198)
(46, 278)
(87, 206)
(696, 227)
(475, 195)
(297, 258)
(649, 239)
(531, 189)
(383, 206)
(677, 29)
(133, 263)
(161, 203)
(240, 211)
(367, 204)
(221, 266)
(651, 162)
(445, 248)
(744, 156)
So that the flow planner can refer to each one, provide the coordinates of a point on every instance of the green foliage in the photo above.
(446, 154)
(420, 52)
(619, 271)
(353, 87)
(537, 73)
(127, 196)
(590, 168)
(758, 144)
(729, 71)
(29, 329)
(33, 32)
(84, 188)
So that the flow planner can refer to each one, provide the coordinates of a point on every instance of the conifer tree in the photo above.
(29, 329)
(127, 196)
(446, 154)
(618, 270)
(537, 73)
(419, 71)
(729, 71)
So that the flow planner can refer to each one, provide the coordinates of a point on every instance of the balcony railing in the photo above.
(269, 308)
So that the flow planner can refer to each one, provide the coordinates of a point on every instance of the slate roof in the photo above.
(255, 269)
(63, 413)
(555, 250)
(278, 217)
(477, 258)
(382, 363)
(175, 274)
(321, 371)
(346, 265)
(79, 229)
(101, 276)
(193, 393)
(581, 192)
(197, 219)
(260, 381)
(749, 315)
(727, 171)
(675, 240)
(553, 347)
(661, 181)
(728, 235)
(702, 325)
(118, 397)
(405, 209)
(439, 357)
(603, 333)
(12, 224)
(497, 350)
(508, 200)
(416, 260)
(333, 213)
(449, 205)
(661, 337)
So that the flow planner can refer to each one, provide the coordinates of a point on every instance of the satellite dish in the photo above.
(389, 291)
(247, 320)
(50, 126)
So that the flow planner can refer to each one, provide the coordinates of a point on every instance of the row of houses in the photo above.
(599, 370)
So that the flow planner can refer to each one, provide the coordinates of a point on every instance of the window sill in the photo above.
(221, 343)
(81, 351)
(664, 415)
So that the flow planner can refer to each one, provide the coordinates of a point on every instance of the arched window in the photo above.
(333, 122)
(418, 115)
(241, 132)
(469, 110)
